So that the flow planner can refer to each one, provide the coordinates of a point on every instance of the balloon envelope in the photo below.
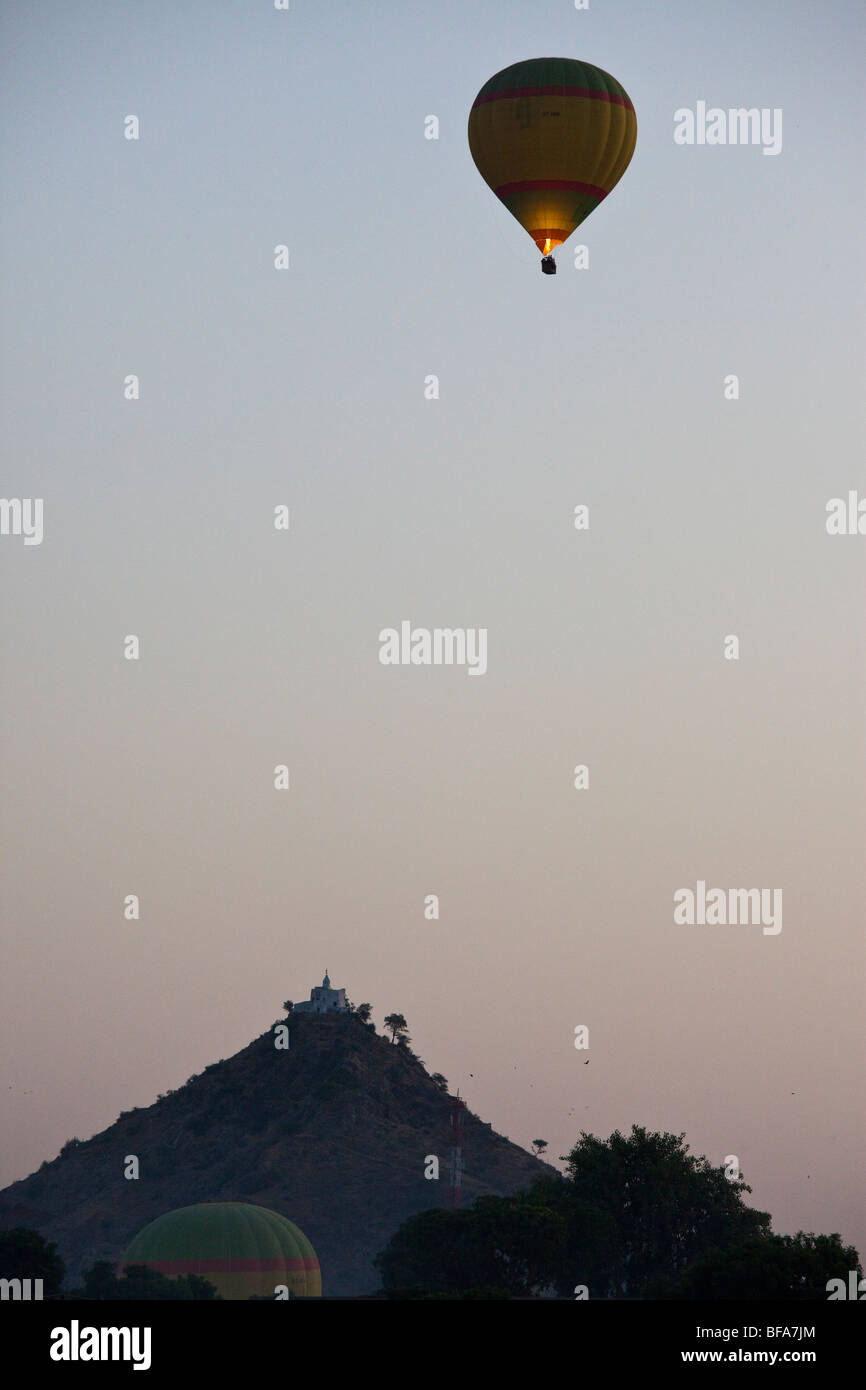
(552, 137)
(240, 1248)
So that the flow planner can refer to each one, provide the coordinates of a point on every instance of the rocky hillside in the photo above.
(332, 1133)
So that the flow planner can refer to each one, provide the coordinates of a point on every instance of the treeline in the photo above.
(635, 1217)
(25, 1254)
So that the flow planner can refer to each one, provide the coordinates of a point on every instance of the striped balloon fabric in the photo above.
(242, 1249)
(552, 137)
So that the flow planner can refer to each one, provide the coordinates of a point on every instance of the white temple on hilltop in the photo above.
(324, 1000)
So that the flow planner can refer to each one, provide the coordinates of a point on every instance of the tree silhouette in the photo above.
(25, 1254)
(500, 1243)
(397, 1024)
(636, 1216)
(140, 1282)
(765, 1267)
(669, 1206)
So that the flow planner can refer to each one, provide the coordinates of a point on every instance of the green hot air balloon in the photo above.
(552, 137)
(243, 1250)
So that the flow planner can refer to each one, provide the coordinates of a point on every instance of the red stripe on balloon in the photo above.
(592, 93)
(548, 186)
(238, 1265)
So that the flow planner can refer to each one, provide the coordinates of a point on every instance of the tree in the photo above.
(440, 1080)
(25, 1254)
(288, 1006)
(397, 1024)
(500, 1243)
(529, 1240)
(538, 1146)
(765, 1267)
(363, 1012)
(431, 1253)
(669, 1207)
(590, 1237)
(141, 1282)
(636, 1216)
(523, 1244)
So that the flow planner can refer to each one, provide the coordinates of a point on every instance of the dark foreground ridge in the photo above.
(332, 1133)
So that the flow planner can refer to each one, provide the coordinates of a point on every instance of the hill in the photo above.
(332, 1133)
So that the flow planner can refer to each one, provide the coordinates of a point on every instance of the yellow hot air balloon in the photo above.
(552, 136)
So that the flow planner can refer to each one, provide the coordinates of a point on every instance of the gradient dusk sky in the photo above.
(602, 386)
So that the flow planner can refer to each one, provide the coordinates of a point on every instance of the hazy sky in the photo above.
(605, 647)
